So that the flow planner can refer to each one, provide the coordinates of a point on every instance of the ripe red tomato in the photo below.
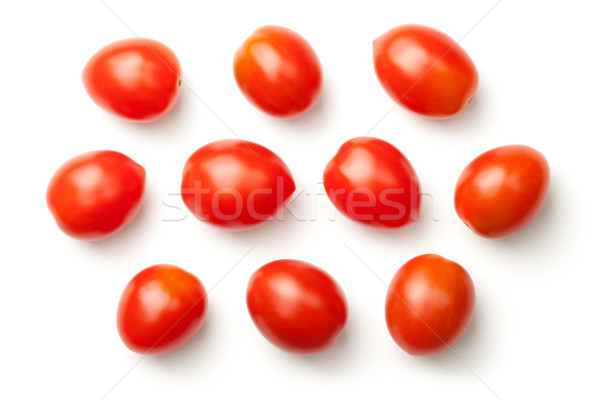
(161, 309)
(235, 184)
(429, 305)
(425, 70)
(296, 306)
(371, 181)
(278, 71)
(501, 191)
(96, 194)
(136, 79)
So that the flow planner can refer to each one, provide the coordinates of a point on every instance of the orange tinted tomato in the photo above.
(278, 71)
(161, 309)
(429, 304)
(424, 70)
(501, 191)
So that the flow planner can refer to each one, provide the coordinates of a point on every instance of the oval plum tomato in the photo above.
(137, 79)
(501, 191)
(429, 305)
(235, 184)
(425, 70)
(296, 306)
(278, 71)
(96, 194)
(161, 309)
(372, 182)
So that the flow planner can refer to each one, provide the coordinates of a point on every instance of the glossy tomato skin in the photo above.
(278, 72)
(161, 309)
(501, 191)
(235, 184)
(425, 70)
(372, 182)
(429, 305)
(296, 306)
(136, 79)
(95, 195)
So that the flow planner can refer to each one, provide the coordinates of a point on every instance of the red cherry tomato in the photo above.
(296, 306)
(429, 305)
(501, 191)
(161, 309)
(136, 79)
(235, 184)
(278, 72)
(96, 194)
(371, 181)
(425, 70)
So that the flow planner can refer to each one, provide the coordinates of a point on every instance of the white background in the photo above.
(536, 325)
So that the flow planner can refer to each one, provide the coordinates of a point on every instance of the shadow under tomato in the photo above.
(125, 239)
(312, 124)
(408, 234)
(542, 231)
(473, 116)
(195, 351)
(171, 123)
(280, 228)
(333, 358)
(473, 352)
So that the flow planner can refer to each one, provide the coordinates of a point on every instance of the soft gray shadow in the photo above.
(312, 124)
(172, 122)
(334, 358)
(542, 230)
(473, 116)
(194, 351)
(126, 238)
(270, 231)
(405, 233)
(471, 351)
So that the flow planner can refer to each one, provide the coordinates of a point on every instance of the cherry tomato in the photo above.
(96, 194)
(278, 71)
(161, 309)
(235, 184)
(429, 305)
(371, 181)
(296, 306)
(501, 191)
(136, 79)
(425, 70)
